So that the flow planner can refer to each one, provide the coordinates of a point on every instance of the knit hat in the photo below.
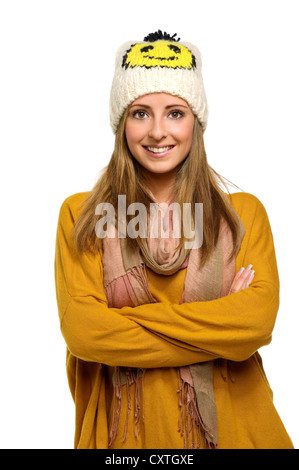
(160, 63)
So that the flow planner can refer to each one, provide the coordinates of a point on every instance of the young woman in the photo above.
(159, 306)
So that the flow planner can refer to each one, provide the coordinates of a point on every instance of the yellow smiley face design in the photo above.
(159, 54)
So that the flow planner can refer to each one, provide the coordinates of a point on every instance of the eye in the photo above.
(146, 48)
(139, 114)
(174, 48)
(176, 114)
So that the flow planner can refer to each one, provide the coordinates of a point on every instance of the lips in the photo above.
(158, 150)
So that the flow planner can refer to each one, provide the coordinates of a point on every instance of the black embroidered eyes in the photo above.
(146, 48)
(174, 48)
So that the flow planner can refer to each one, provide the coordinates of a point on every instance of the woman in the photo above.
(161, 320)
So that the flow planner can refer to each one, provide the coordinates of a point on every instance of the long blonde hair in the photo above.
(196, 182)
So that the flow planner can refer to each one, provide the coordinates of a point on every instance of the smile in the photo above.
(159, 150)
(161, 58)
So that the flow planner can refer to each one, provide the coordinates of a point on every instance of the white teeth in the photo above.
(159, 150)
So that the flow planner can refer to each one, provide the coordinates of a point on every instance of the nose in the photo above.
(157, 129)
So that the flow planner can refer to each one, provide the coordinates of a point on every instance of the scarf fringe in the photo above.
(190, 421)
(130, 376)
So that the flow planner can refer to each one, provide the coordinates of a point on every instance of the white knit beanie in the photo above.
(160, 63)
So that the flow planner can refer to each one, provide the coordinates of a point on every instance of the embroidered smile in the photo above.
(161, 58)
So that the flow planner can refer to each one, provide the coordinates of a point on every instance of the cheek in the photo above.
(129, 133)
(185, 133)
(133, 133)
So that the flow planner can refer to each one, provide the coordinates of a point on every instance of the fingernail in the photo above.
(239, 273)
(249, 267)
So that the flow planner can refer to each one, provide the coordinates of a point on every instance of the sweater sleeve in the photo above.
(165, 334)
(92, 331)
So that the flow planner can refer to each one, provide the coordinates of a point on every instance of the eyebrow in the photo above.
(166, 107)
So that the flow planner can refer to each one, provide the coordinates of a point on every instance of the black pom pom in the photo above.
(152, 37)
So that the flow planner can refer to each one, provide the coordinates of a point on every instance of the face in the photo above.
(159, 54)
(159, 131)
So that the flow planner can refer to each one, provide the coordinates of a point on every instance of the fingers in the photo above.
(250, 278)
(242, 279)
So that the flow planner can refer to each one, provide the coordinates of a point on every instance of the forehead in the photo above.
(161, 99)
(158, 54)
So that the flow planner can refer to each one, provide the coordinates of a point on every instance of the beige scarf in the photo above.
(126, 284)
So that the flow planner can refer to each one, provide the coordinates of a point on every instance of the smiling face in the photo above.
(159, 131)
(159, 54)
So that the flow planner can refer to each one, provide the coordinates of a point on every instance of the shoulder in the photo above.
(241, 199)
(72, 205)
(250, 210)
(246, 204)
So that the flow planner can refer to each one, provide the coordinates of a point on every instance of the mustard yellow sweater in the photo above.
(166, 335)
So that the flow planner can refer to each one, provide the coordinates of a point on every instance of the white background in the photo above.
(57, 60)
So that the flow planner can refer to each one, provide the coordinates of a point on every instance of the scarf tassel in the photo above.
(127, 378)
(190, 421)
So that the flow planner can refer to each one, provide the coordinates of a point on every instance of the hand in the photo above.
(242, 279)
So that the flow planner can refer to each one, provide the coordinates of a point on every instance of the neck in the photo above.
(161, 185)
